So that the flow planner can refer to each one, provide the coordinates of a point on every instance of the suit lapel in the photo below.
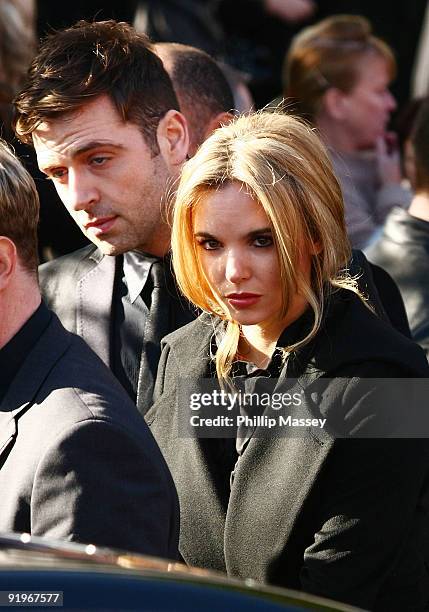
(94, 305)
(7, 431)
(25, 386)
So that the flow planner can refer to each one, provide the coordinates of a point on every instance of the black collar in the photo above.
(14, 353)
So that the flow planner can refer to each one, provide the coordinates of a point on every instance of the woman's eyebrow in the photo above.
(203, 235)
(253, 234)
(258, 232)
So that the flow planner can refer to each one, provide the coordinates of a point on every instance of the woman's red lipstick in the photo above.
(242, 300)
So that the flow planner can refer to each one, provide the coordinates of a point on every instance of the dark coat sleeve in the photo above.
(369, 500)
(98, 483)
(368, 515)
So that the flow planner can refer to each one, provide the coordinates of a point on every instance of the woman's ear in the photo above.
(335, 103)
(173, 139)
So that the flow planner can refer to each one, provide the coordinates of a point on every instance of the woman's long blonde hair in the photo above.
(283, 165)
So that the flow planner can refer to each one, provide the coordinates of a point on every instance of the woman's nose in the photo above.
(237, 268)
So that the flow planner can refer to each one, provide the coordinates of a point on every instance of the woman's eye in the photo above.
(210, 245)
(263, 241)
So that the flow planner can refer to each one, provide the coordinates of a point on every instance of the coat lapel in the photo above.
(7, 431)
(25, 386)
(272, 481)
(194, 463)
(94, 305)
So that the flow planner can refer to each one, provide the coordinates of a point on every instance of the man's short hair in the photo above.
(200, 84)
(88, 60)
(19, 207)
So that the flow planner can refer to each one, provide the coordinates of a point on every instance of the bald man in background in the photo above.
(204, 95)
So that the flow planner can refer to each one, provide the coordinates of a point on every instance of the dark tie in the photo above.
(157, 326)
(131, 329)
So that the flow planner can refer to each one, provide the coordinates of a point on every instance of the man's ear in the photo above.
(173, 138)
(217, 121)
(8, 261)
(335, 102)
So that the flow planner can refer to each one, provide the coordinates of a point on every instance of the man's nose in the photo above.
(81, 192)
(237, 268)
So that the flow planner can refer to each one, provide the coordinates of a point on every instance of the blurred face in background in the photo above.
(366, 109)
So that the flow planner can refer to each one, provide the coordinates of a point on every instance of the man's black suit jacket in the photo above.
(77, 461)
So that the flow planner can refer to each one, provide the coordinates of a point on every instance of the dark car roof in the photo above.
(106, 579)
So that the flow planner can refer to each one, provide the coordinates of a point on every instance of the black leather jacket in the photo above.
(403, 250)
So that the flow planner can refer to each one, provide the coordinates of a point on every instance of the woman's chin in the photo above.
(246, 318)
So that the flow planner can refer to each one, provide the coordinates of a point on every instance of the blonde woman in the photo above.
(259, 244)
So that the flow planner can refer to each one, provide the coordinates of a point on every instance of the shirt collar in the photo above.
(292, 333)
(136, 271)
(15, 352)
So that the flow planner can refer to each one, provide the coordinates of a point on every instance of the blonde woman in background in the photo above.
(337, 73)
(259, 244)
(17, 47)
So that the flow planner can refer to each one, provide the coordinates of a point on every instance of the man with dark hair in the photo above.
(204, 94)
(403, 247)
(76, 459)
(103, 117)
